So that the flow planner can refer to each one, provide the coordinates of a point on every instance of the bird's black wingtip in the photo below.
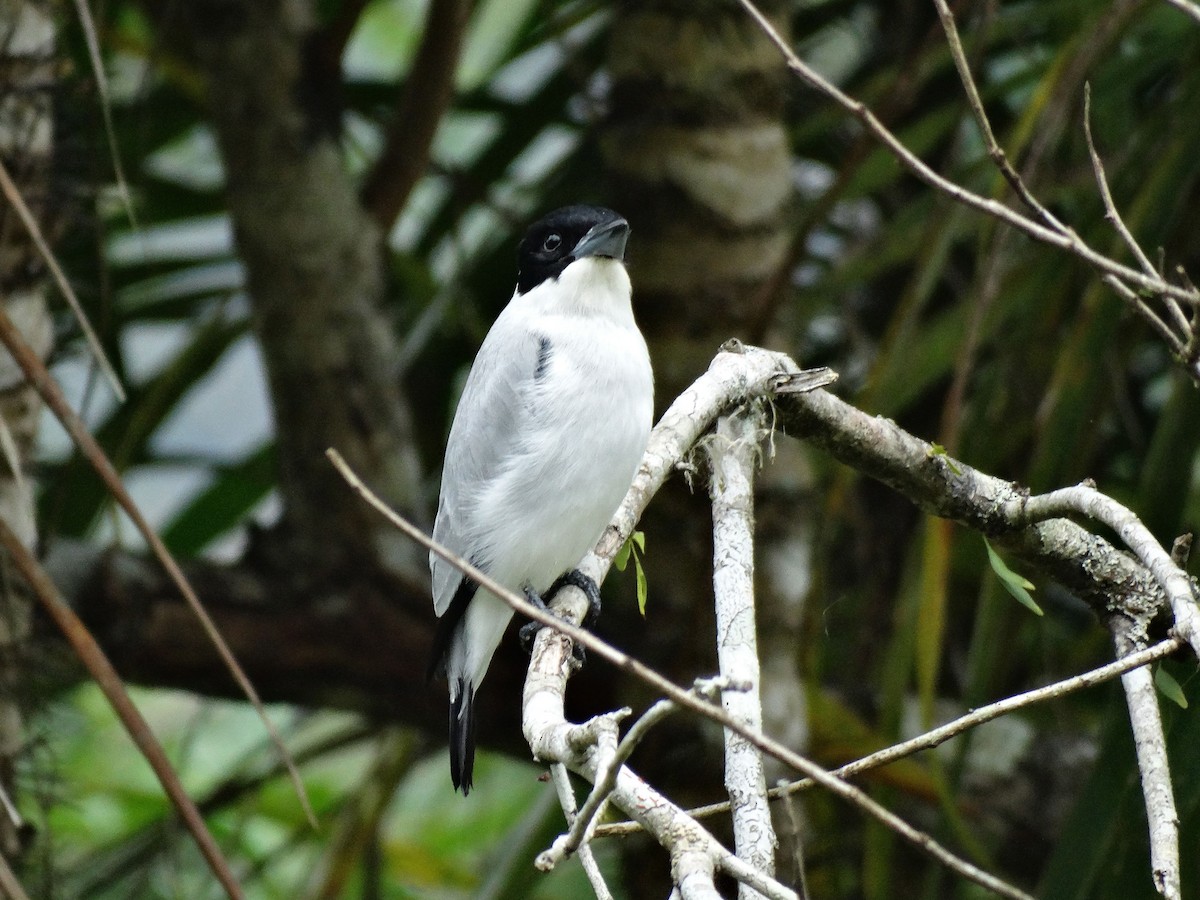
(447, 625)
(462, 737)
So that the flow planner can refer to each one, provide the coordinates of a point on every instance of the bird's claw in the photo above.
(590, 589)
(574, 578)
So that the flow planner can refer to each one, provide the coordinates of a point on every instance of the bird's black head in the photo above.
(559, 238)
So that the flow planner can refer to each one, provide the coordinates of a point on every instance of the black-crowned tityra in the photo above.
(548, 434)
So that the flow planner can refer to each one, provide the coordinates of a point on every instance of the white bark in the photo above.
(733, 454)
(1146, 722)
(1150, 746)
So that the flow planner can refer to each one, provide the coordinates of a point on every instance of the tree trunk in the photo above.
(315, 268)
(701, 166)
(26, 141)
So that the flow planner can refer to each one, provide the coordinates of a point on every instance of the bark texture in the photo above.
(699, 162)
(700, 165)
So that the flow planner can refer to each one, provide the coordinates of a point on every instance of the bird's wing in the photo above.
(487, 429)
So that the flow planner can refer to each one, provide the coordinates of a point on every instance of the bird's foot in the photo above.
(530, 629)
(590, 589)
(577, 579)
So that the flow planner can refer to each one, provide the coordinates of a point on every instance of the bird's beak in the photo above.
(607, 239)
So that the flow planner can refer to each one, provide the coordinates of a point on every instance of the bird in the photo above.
(548, 434)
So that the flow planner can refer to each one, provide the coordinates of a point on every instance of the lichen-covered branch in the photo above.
(734, 451)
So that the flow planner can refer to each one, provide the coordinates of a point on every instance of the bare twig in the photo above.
(566, 799)
(1181, 345)
(10, 809)
(995, 151)
(50, 391)
(1068, 240)
(1150, 745)
(1151, 318)
(88, 24)
(582, 826)
(97, 663)
(1110, 208)
(938, 736)
(13, 195)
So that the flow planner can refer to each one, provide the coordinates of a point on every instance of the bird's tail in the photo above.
(462, 736)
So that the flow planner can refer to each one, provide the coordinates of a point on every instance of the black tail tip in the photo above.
(462, 737)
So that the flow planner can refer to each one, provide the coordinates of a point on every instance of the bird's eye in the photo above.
(551, 243)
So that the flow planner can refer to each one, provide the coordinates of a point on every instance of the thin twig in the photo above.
(583, 824)
(801, 876)
(88, 24)
(685, 699)
(50, 391)
(938, 736)
(566, 799)
(995, 151)
(1114, 217)
(10, 809)
(1067, 240)
(106, 676)
(13, 195)
(1110, 208)
(1149, 316)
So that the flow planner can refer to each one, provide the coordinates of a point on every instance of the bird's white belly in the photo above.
(552, 502)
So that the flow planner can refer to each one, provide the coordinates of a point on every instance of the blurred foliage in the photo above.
(1012, 356)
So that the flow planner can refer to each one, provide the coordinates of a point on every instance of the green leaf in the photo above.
(1169, 687)
(642, 589)
(635, 546)
(1015, 584)
(621, 560)
(234, 492)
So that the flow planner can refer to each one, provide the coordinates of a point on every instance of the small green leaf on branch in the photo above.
(1015, 584)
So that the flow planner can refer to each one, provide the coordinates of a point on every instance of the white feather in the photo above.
(536, 466)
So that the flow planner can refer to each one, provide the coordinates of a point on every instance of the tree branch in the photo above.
(937, 736)
(1150, 745)
(315, 273)
(566, 799)
(428, 91)
(1084, 563)
(734, 451)
(1068, 240)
